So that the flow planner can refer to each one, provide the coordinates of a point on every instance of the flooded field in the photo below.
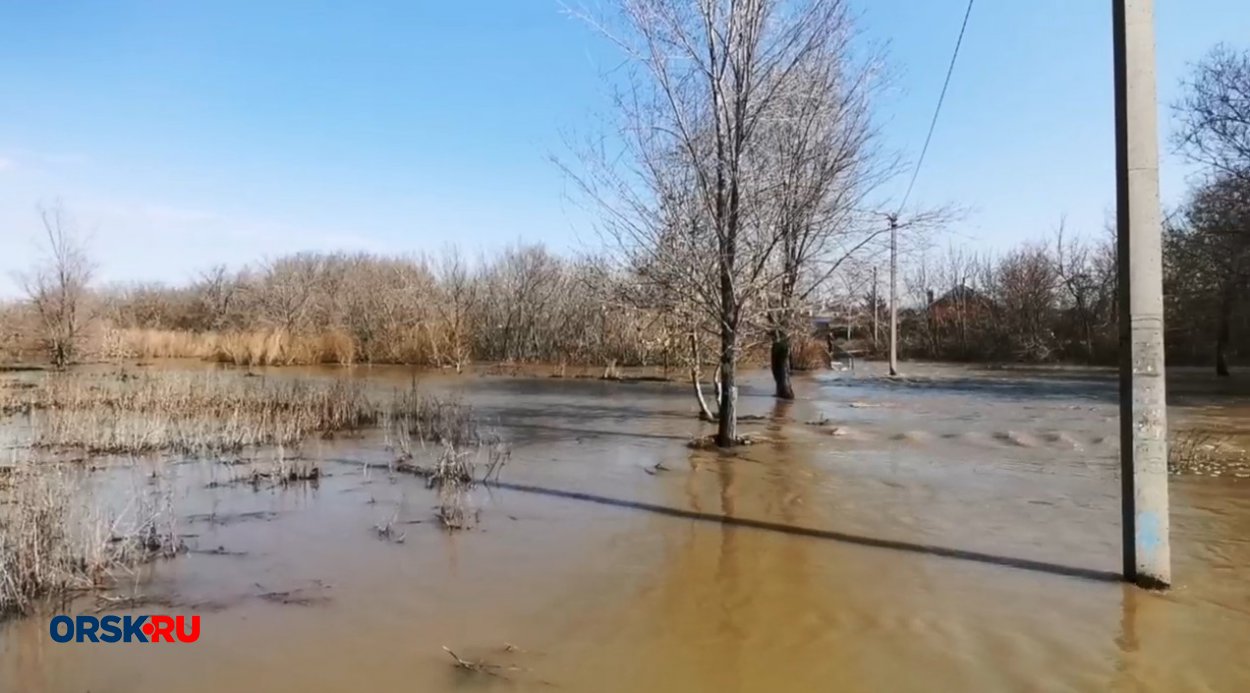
(954, 530)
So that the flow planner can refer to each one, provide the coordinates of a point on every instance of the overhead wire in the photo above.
(950, 71)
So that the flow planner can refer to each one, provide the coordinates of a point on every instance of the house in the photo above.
(962, 301)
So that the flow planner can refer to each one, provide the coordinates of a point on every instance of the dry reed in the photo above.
(414, 414)
(56, 539)
(196, 414)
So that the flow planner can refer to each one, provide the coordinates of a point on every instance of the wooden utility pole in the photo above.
(1143, 402)
(894, 294)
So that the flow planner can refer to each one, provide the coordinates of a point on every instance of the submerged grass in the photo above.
(195, 414)
(55, 539)
(215, 412)
(413, 414)
(1206, 453)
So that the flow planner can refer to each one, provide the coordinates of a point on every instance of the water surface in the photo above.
(957, 530)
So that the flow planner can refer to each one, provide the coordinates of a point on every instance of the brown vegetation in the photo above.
(54, 537)
(526, 305)
(188, 413)
(58, 288)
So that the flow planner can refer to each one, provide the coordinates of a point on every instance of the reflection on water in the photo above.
(951, 532)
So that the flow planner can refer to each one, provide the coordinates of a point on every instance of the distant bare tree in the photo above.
(819, 162)
(1214, 113)
(1079, 282)
(58, 287)
(457, 299)
(215, 292)
(289, 287)
(1025, 286)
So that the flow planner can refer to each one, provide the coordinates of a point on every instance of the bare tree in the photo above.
(687, 200)
(289, 287)
(215, 293)
(819, 162)
(1210, 245)
(58, 287)
(1025, 286)
(1214, 113)
(457, 299)
(1079, 283)
(1214, 116)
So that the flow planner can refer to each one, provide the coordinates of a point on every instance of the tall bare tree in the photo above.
(1214, 116)
(58, 287)
(1209, 244)
(687, 201)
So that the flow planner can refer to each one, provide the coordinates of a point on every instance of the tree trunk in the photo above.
(726, 395)
(1222, 337)
(704, 413)
(716, 382)
(727, 423)
(780, 358)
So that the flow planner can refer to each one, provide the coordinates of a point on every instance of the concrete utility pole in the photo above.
(1143, 404)
(875, 332)
(894, 295)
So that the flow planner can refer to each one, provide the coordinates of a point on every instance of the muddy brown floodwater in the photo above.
(956, 530)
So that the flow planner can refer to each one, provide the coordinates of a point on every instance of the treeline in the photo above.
(1057, 301)
(1052, 301)
(1035, 303)
(524, 305)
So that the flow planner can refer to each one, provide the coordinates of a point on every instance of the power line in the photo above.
(950, 70)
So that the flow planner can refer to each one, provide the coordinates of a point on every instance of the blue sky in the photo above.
(184, 134)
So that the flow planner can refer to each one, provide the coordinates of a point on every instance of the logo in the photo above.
(112, 628)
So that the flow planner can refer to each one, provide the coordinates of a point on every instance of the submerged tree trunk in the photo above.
(780, 360)
(1222, 337)
(727, 417)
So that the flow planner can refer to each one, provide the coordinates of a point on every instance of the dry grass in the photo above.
(55, 539)
(455, 474)
(465, 457)
(216, 412)
(197, 414)
(452, 477)
(808, 354)
(249, 348)
(413, 414)
(152, 344)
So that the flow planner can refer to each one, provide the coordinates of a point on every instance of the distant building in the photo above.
(962, 300)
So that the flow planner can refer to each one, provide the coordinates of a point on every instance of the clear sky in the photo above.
(183, 134)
